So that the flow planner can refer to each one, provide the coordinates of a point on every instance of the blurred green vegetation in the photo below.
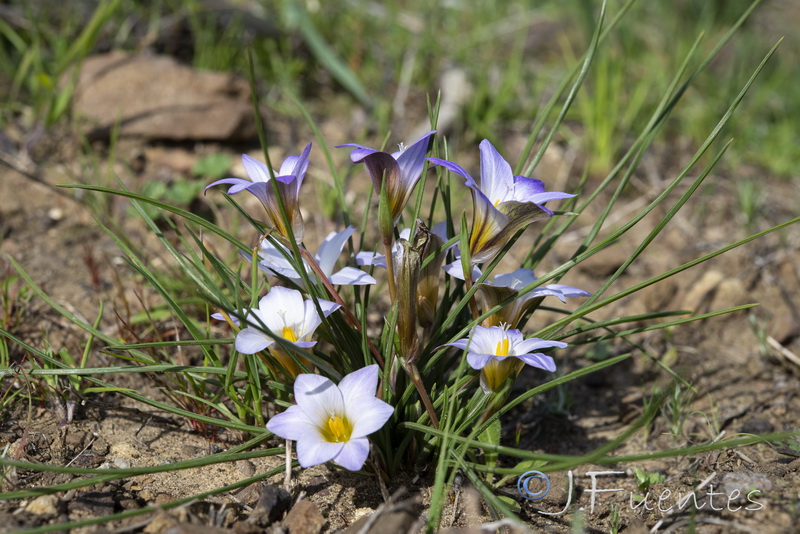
(387, 56)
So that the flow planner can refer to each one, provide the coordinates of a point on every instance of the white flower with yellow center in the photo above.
(331, 422)
(498, 352)
(284, 312)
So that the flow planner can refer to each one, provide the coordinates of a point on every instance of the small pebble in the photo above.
(43, 505)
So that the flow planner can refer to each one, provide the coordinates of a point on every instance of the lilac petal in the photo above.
(285, 178)
(528, 186)
(568, 291)
(292, 424)
(371, 258)
(256, 170)
(318, 397)
(453, 167)
(281, 307)
(412, 160)
(514, 336)
(460, 344)
(545, 291)
(485, 340)
(368, 415)
(353, 454)
(457, 271)
(497, 179)
(478, 361)
(359, 153)
(360, 384)
(532, 344)
(251, 340)
(238, 184)
(440, 229)
(350, 276)
(272, 260)
(541, 198)
(331, 248)
(312, 452)
(366, 412)
(311, 319)
(220, 317)
(296, 165)
(539, 360)
(259, 190)
(515, 280)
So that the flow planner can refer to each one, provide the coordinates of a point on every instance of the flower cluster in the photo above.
(331, 422)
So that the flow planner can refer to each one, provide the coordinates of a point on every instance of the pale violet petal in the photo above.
(317, 451)
(460, 344)
(238, 184)
(532, 344)
(257, 171)
(311, 319)
(318, 397)
(282, 307)
(545, 291)
(371, 258)
(515, 280)
(293, 424)
(350, 276)
(541, 198)
(568, 291)
(250, 341)
(454, 167)
(484, 340)
(368, 415)
(497, 178)
(331, 248)
(440, 229)
(220, 317)
(539, 360)
(359, 384)
(272, 259)
(478, 361)
(353, 454)
(457, 271)
(412, 160)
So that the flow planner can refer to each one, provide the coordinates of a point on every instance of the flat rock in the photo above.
(155, 97)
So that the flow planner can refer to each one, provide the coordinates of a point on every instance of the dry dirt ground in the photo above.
(745, 382)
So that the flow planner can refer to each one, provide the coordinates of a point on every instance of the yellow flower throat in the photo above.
(338, 430)
(288, 334)
(502, 348)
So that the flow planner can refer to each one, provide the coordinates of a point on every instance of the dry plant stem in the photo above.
(287, 477)
(387, 246)
(416, 379)
(333, 293)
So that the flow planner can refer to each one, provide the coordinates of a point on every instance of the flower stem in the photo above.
(387, 246)
(416, 379)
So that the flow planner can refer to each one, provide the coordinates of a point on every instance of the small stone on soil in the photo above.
(304, 518)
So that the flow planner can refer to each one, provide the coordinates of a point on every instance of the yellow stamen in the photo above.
(288, 334)
(502, 348)
(338, 430)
